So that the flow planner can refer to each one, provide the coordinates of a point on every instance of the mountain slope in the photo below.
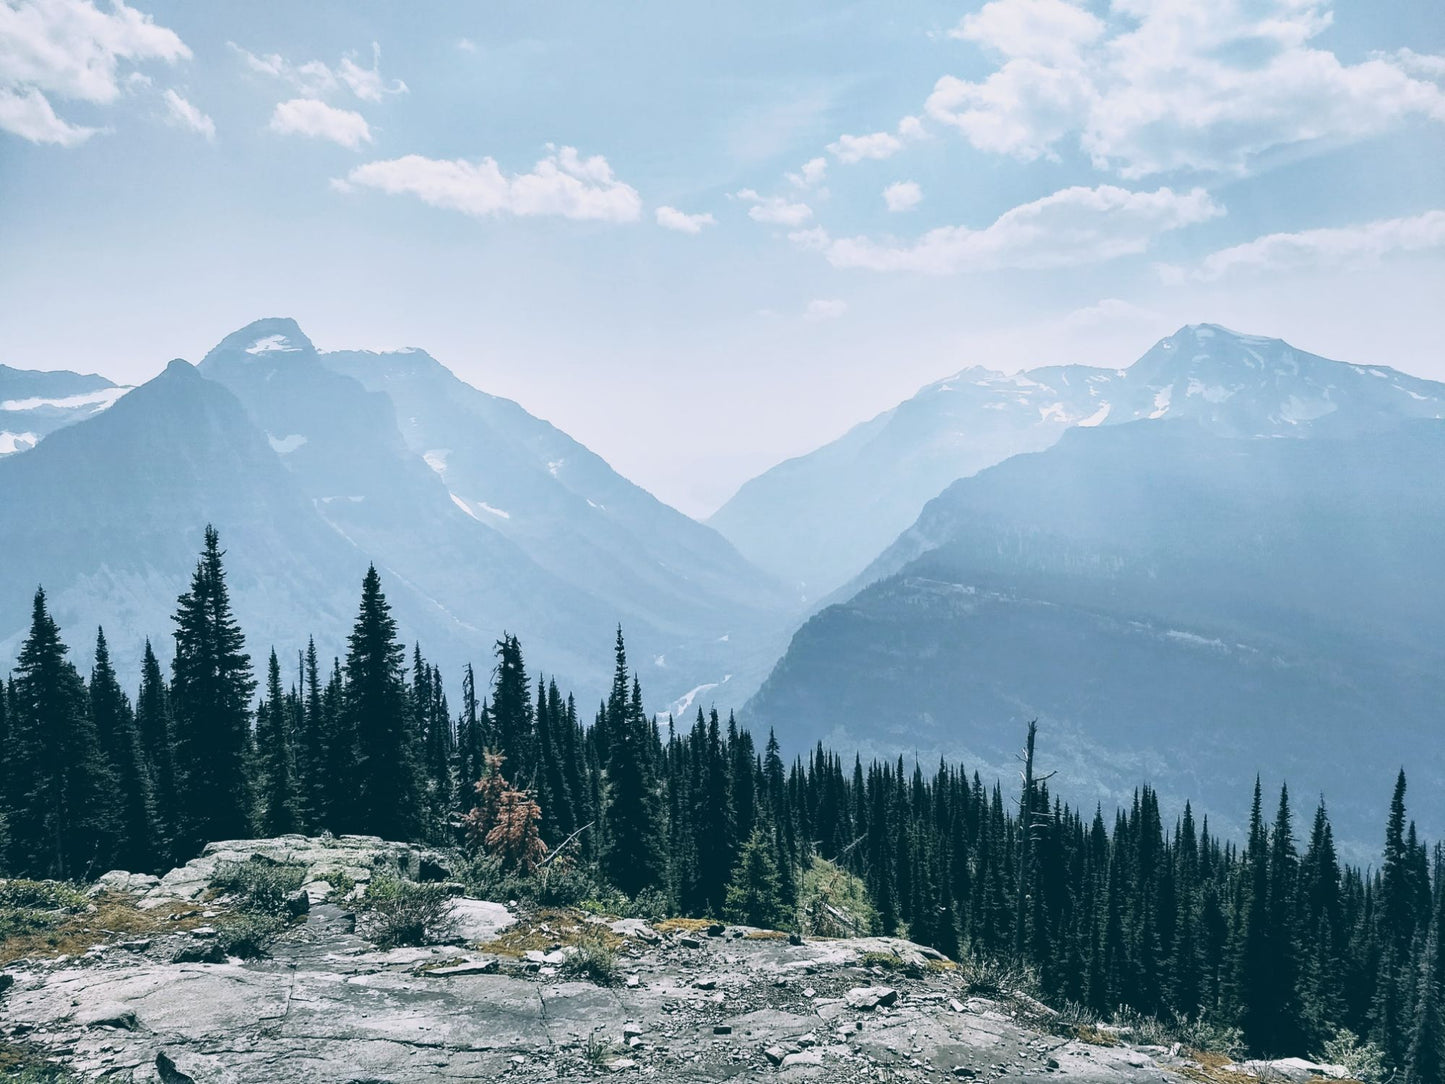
(1168, 602)
(34, 403)
(821, 518)
(108, 514)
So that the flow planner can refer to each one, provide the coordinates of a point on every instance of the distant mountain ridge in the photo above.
(481, 517)
(35, 403)
(1167, 601)
(820, 519)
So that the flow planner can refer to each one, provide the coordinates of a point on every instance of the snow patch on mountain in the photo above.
(437, 459)
(269, 344)
(10, 443)
(98, 399)
(682, 703)
(285, 445)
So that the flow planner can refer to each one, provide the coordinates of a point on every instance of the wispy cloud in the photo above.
(1337, 247)
(316, 78)
(563, 184)
(70, 50)
(314, 118)
(902, 196)
(1174, 84)
(673, 219)
(1071, 227)
(775, 210)
(183, 114)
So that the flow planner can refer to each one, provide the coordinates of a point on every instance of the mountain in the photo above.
(1172, 604)
(35, 403)
(480, 517)
(107, 514)
(818, 520)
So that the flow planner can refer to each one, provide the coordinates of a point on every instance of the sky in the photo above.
(702, 239)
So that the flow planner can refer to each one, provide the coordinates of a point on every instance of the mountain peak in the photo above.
(271, 338)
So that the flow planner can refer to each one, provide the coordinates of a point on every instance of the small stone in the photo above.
(871, 997)
(775, 1054)
(722, 1029)
(688, 941)
(803, 1057)
(298, 903)
(955, 1004)
(963, 1071)
(616, 1065)
(706, 984)
(633, 982)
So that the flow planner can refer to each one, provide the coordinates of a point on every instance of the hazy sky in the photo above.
(701, 238)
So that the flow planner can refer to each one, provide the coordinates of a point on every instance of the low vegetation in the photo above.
(396, 912)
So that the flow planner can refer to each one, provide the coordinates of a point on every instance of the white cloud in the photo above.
(825, 309)
(775, 210)
(316, 78)
(810, 175)
(1070, 227)
(1428, 65)
(562, 184)
(183, 114)
(1335, 248)
(1051, 31)
(1175, 84)
(311, 79)
(673, 219)
(816, 238)
(902, 196)
(70, 49)
(314, 118)
(1111, 310)
(851, 148)
(466, 45)
(367, 83)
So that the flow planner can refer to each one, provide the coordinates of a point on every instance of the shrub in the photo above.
(31, 907)
(249, 935)
(398, 912)
(833, 902)
(592, 961)
(1364, 1061)
(259, 884)
(42, 896)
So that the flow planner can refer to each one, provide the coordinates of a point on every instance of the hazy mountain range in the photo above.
(1186, 598)
(817, 520)
(1222, 558)
(481, 518)
(34, 404)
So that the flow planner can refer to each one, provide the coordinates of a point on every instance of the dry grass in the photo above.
(115, 918)
(941, 965)
(683, 925)
(548, 928)
(1088, 1033)
(765, 935)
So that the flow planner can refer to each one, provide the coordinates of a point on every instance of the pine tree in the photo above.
(633, 858)
(62, 791)
(279, 788)
(157, 736)
(211, 688)
(753, 894)
(386, 798)
(115, 725)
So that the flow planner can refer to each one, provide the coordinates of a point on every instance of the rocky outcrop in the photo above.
(689, 1002)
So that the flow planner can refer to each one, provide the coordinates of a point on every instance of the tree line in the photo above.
(1274, 937)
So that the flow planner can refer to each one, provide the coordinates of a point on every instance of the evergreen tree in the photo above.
(279, 788)
(633, 858)
(135, 811)
(385, 798)
(753, 894)
(157, 736)
(62, 792)
(211, 688)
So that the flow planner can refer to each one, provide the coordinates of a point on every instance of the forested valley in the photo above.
(1270, 943)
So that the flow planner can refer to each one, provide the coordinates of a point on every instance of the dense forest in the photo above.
(1273, 938)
